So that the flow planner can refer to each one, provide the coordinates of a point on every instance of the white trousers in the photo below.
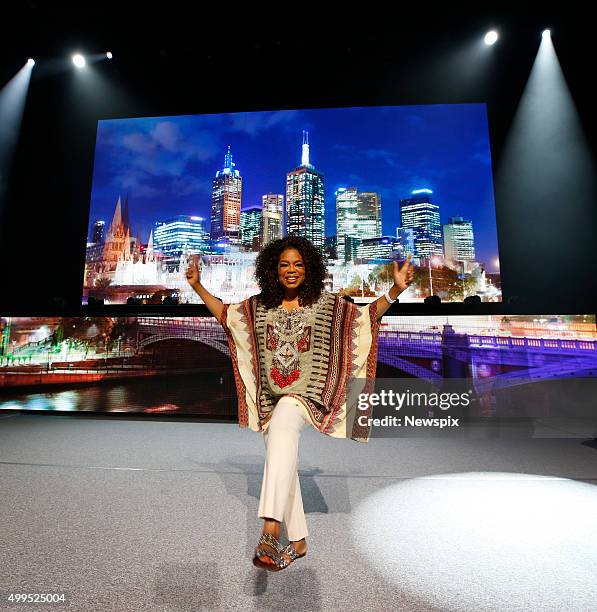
(280, 489)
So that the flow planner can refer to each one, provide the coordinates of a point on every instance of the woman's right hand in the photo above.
(193, 274)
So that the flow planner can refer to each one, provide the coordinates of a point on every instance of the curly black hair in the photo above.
(266, 271)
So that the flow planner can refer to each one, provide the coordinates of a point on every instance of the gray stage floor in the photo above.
(161, 515)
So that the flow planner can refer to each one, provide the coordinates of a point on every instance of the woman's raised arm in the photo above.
(403, 277)
(194, 279)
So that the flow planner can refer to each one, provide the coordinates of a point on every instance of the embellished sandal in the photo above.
(268, 547)
(289, 550)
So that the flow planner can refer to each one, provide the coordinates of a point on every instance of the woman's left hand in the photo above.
(403, 276)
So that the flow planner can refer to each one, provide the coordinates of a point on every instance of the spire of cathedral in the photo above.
(149, 255)
(117, 219)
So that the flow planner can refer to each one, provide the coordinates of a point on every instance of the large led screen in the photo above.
(366, 185)
(513, 366)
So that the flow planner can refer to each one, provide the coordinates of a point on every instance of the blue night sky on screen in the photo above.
(167, 164)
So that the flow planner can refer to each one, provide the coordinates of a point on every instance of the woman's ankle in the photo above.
(272, 526)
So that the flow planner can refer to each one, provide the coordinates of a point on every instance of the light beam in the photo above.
(12, 103)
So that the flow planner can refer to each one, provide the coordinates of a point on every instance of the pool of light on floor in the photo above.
(484, 541)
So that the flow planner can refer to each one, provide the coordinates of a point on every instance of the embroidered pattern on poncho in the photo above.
(286, 348)
(337, 360)
(288, 338)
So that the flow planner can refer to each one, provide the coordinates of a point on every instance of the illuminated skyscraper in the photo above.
(180, 234)
(250, 225)
(352, 244)
(421, 215)
(459, 240)
(305, 200)
(357, 215)
(380, 247)
(346, 218)
(271, 217)
(226, 202)
(369, 214)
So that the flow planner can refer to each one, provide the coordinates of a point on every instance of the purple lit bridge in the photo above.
(492, 360)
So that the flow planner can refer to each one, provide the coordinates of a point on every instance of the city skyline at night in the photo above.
(167, 165)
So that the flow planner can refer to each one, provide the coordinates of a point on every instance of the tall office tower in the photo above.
(406, 240)
(226, 202)
(357, 215)
(250, 225)
(305, 200)
(347, 221)
(97, 232)
(421, 215)
(459, 240)
(369, 214)
(183, 233)
(271, 217)
(352, 245)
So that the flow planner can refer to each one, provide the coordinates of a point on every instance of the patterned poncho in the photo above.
(326, 368)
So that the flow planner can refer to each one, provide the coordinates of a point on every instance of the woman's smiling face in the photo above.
(291, 269)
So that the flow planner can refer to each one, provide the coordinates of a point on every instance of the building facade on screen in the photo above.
(380, 247)
(459, 240)
(305, 200)
(271, 217)
(109, 247)
(97, 232)
(421, 215)
(226, 203)
(181, 234)
(406, 238)
(369, 213)
(250, 227)
(358, 215)
(347, 223)
(122, 261)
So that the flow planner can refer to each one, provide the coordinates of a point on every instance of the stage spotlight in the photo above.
(546, 33)
(31, 62)
(109, 55)
(547, 140)
(491, 38)
(12, 103)
(79, 60)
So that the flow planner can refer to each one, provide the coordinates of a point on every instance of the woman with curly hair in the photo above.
(301, 356)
